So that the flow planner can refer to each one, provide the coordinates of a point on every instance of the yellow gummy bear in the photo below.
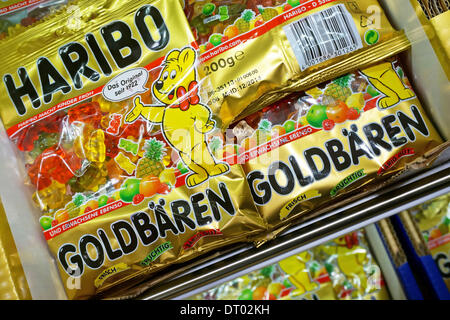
(105, 105)
(95, 147)
(90, 145)
(125, 163)
(78, 147)
(52, 197)
(351, 262)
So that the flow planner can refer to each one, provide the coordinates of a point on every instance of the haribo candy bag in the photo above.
(341, 269)
(314, 148)
(108, 116)
(433, 220)
(256, 52)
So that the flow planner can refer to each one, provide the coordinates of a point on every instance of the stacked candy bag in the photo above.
(342, 269)
(313, 148)
(117, 160)
(15, 16)
(437, 14)
(123, 151)
(13, 283)
(304, 43)
(433, 219)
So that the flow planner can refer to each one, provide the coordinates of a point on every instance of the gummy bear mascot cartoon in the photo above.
(184, 120)
(384, 78)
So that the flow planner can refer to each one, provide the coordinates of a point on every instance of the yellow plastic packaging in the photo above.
(435, 19)
(255, 51)
(109, 122)
(13, 283)
(341, 269)
(316, 147)
(433, 220)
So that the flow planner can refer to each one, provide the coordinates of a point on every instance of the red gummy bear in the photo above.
(28, 21)
(53, 123)
(137, 129)
(114, 124)
(40, 179)
(111, 143)
(26, 138)
(89, 112)
(53, 164)
(67, 164)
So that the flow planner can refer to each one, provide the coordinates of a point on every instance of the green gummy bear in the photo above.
(128, 146)
(223, 13)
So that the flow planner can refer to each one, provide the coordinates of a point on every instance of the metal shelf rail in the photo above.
(242, 259)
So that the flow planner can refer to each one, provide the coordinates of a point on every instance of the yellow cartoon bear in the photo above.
(183, 119)
(295, 267)
(384, 78)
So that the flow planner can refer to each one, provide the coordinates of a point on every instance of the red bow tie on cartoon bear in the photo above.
(187, 98)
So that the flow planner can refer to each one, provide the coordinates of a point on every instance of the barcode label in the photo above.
(323, 35)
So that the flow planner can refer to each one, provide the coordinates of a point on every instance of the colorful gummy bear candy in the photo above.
(92, 147)
(53, 164)
(91, 180)
(129, 146)
(89, 113)
(79, 157)
(114, 124)
(125, 163)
